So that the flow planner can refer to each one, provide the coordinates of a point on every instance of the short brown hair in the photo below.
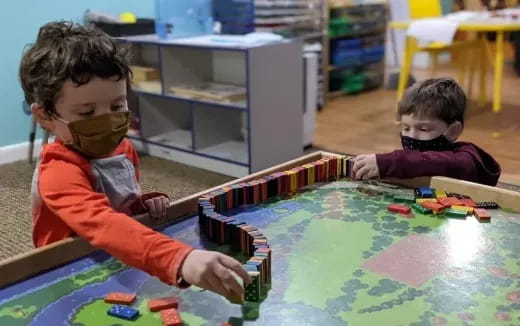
(440, 98)
(63, 51)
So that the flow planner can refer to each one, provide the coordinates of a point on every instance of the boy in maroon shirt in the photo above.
(432, 118)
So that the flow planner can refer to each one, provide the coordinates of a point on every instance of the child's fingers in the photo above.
(236, 267)
(227, 280)
(362, 173)
(211, 282)
(166, 204)
(150, 203)
(358, 164)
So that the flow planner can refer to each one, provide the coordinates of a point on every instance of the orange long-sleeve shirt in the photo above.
(65, 204)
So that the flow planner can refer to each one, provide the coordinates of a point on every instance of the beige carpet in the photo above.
(175, 179)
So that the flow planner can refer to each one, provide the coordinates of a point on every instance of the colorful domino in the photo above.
(123, 312)
(396, 208)
(450, 212)
(487, 205)
(170, 317)
(120, 298)
(162, 304)
(482, 215)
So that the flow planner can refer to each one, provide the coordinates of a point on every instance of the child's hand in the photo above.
(157, 206)
(214, 271)
(365, 167)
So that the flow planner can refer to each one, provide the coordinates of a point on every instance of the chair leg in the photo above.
(32, 136)
(472, 66)
(482, 71)
(46, 136)
(434, 56)
(410, 49)
(462, 67)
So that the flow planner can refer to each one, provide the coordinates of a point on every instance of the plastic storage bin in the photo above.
(373, 54)
(183, 18)
(346, 58)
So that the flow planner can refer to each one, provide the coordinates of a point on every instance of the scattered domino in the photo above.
(419, 209)
(170, 317)
(426, 192)
(396, 208)
(123, 312)
(468, 202)
(487, 204)
(120, 298)
(455, 213)
(162, 303)
(440, 194)
(445, 202)
(454, 194)
(422, 200)
(435, 207)
(404, 199)
(466, 209)
(481, 214)
(454, 201)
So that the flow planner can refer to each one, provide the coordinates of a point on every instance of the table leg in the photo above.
(499, 67)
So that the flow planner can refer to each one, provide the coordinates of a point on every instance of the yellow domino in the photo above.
(468, 210)
(440, 194)
(422, 200)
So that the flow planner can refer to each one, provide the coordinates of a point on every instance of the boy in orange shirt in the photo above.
(86, 182)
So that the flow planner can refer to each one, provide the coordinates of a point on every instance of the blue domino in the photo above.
(123, 312)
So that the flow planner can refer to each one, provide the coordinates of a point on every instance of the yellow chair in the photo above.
(432, 8)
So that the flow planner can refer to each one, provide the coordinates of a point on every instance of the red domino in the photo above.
(445, 202)
(162, 303)
(396, 208)
(170, 317)
(433, 206)
(482, 214)
(454, 201)
(468, 202)
(120, 298)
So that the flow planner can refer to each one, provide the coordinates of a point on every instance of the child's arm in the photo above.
(410, 164)
(67, 192)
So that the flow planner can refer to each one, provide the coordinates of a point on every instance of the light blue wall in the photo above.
(19, 24)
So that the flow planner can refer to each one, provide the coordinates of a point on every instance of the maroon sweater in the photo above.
(464, 161)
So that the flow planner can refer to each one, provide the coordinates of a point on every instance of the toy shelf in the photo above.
(230, 108)
(355, 46)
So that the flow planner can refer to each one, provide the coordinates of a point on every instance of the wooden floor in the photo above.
(365, 123)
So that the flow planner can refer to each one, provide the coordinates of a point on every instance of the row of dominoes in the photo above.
(280, 183)
(244, 238)
(248, 239)
(166, 306)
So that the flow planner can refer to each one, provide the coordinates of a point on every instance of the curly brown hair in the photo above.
(63, 51)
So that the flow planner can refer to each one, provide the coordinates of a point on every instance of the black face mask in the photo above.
(440, 143)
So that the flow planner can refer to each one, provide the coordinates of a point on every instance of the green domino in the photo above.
(252, 291)
(404, 199)
(455, 213)
(418, 208)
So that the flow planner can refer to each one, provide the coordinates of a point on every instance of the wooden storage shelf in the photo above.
(229, 137)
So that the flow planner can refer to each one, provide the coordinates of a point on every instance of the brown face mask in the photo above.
(98, 136)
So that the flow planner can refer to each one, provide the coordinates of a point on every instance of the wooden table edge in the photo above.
(23, 266)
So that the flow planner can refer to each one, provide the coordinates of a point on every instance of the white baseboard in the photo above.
(19, 152)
